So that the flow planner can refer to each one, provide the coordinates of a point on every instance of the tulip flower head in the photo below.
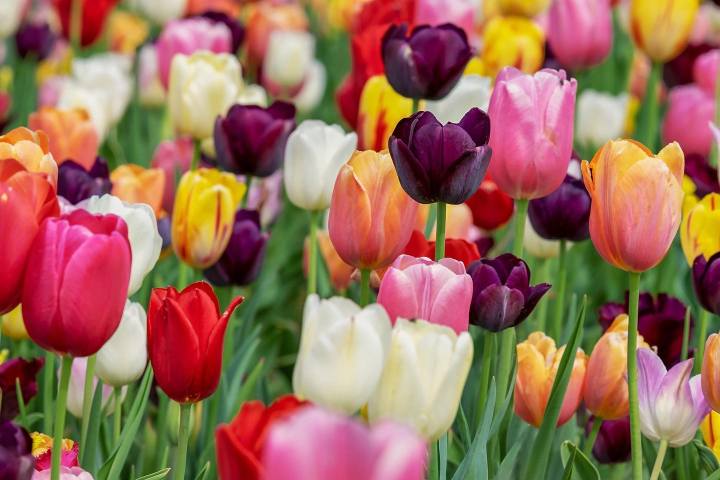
(491, 207)
(512, 42)
(580, 32)
(711, 371)
(706, 282)
(379, 111)
(122, 359)
(31, 149)
(75, 183)
(686, 121)
(94, 14)
(71, 134)
(42, 451)
(661, 28)
(15, 451)
(600, 117)
(700, 229)
(134, 184)
(564, 214)
(613, 441)
(710, 428)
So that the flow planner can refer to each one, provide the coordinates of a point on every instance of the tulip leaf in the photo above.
(21, 403)
(583, 467)
(465, 429)
(156, 475)
(202, 474)
(714, 476)
(249, 384)
(507, 467)
(88, 451)
(707, 457)
(569, 467)
(475, 464)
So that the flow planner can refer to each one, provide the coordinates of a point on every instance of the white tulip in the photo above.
(288, 57)
(160, 12)
(10, 15)
(313, 88)
(600, 117)
(538, 246)
(471, 91)
(145, 241)
(252, 95)
(314, 154)
(342, 353)
(123, 358)
(424, 377)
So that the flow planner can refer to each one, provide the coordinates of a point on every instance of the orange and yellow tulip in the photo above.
(700, 228)
(126, 31)
(512, 41)
(661, 28)
(31, 149)
(710, 428)
(711, 371)
(381, 108)
(135, 184)
(71, 134)
(636, 202)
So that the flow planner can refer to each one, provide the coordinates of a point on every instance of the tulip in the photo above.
(564, 214)
(636, 202)
(531, 159)
(612, 444)
(502, 294)
(145, 241)
(13, 325)
(287, 59)
(162, 12)
(42, 449)
(264, 19)
(339, 271)
(705, 70)
(371, 216)
(471, 91)
(31, 150)
(202, 86)
(240, 443)
(660, 28)
(173, 157)
(704, 176)
(185, 340)
(491, 207)
(237, 30)
(92, 19)
(26, 199)
(135, 184)
(200, 238)
(580, 32)
(459, 221)
(711, 372)
(241, 261)
(81, 264)
(455, 248)
(71, 134)
(523, 8)
(151, 92)
(126, 32)
(420, 140)
(379, 111)
(76, 392)
(537, 362)
(690, 110)
(21, 372)
(600, 117)
(35, 40)
(512, 41)
(122, 359)
(342, 353)
(16, 460)
(706, 282)
(700, 229)
(418, 288)
(75, 183)
(433, 12)
(11, 13)
(710, 428)
(314, 443)
(426, 64)
(73, 473)
(537, 246)
(266, 196)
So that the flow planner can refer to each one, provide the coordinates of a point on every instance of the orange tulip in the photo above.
(538, 360)
(135, 184)
(31, 150)
(371, 216)
(71, 134)
(636, 202)
(711, 371)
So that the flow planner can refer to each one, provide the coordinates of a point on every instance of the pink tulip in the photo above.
(173, 157)
(532, 131)
(436, 12)
(314, 444)
(438, 292)
(187, 36)
(74, 473)
(690, 109)
(76, 282)
(580, 31)
(706, 69)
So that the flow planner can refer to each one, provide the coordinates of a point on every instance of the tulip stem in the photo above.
(521, 208)
(117, 418)
(659, 460)
(415, 105)
(440, 231)
(364, 286)
(507, 347)
(488, 354)
(60, 407)
(48, 381)
(183, 439)
(76, 14)
(562, 286)
(196, 155)
(647, 129)
(702, 333)
(635, 439)
(590, 442)
(87, 400)
(246, 197)
(313, 261)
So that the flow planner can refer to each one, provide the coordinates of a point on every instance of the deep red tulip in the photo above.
(456, 248)
(17, 370)
(94, 13)
(185, 340)
(491, 207)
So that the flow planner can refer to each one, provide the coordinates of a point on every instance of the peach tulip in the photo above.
(711, 371)
(31, 149)
(458, 224)
(135, 184)
(71, 134)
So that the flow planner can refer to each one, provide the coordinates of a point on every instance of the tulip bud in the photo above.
(76, 391)
(122, 359)
(36, 40)
(660, 28)
(287, 59)
(135, 184)
(512, 41)
(564, 214)
(600, 117)
(31, 149)
(580, 32)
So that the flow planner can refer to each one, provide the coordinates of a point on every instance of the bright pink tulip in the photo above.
(436, 12)
(532, 131)
(76, 282)
(439, 292)
(689, 113)
(580, 31)
(173, 157)
(706, 69)
(314, 444)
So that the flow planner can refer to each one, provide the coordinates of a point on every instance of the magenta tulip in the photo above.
(532, 131)
(687, 120)
(418, 288)
(580, 32)
(76, 282)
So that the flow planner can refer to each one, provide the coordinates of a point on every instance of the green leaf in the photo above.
(714, 476)
(568, 473)
(708, 460)
(89, 450)
(21, 403)
(583, 467)
(203, 472)
(466, 437)
(507, 467)
(155, 476)
(475, 464)
(649, 454)
(249, 384)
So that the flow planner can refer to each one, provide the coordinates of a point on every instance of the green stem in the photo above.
(87, 399)
(543, 305)
(562, 286)
(714, 150)
(647, 129)
(76, 12)
(60, 407)
(117, 418)
(702, 334)
(183, 440)
(364, 286)
(487, 355)
(521, 207)
(590, 442)
(313, 260)
(196, 156)
(415, 105)
(507, 349)
(183, 274)
(440, 231)
(162, 418)
(430, 223)
(659, 460)
(246, 197)
(635, 439)
(48, 387)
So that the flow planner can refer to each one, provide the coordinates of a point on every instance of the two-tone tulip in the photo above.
(31, 149)
(700, 229)
(71, 134)
(661, 28)
(379, 111)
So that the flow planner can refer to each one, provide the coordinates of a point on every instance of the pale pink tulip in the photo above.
(66, 473)
(690, 109)
(436, 12)
(580, 31)
(706, 69)
(173, 157)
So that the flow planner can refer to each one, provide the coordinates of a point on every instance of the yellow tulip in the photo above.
(700, 228)
(710, 428)
(380, 110)
(523, 8)
(126, 31)
(13, 325)
(661, 28)
(512, 41)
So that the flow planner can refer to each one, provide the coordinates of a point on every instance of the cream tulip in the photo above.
(123, 358)
(471, 91)
(538, 246)
(600, 117)
(161, 12)
(288, 58)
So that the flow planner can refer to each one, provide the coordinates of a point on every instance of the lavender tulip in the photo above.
(706, 281)
(16, 460)
(564, 214)
(76, 184)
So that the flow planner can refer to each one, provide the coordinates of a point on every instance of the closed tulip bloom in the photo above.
(458, 249)
(502, 294)
(512, 41)
(530, 160)
(458, 224)
(379, 111)
(537, 362)
(35, 39)
(471, 91)
(265, 18)
(636, 202)
(161, 12)
(426, 64)
(342, 353)
(600, 117)
(314, 443)
(287, 59)
(185, 340)
(441, 163)
(76, 397)
(686, 121)
(122, 359)
(700, 229)
(523, 8)
(202, 86)
(706, 68)
(706, 281)
(580, 32)
(71, 134)
(81, 263)
(173, 157)
(564, 214)
(13, 325)
(75, 183)
(16, 460)
(251, 140)
(94, 14)
(371, 216)
(314, 154)
(31, 149)
(711, 371)
(710, 428)
(672, 404)
(538, 246)
(237, 30)
(661, 28)
(132, 183)
(418, 288)
(491, 207)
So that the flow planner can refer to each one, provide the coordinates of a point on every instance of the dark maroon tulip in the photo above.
(76, 184)
(251, 140)
(237, 31)
(240, 263)
(703, 175)
(679, 70)
(502, 295)
(564, 214)
(613, 441)
(484, 244)
(24, 372)
(428, 63)
(441, 163)
(706, 281)
(35, 39)
(16, 460)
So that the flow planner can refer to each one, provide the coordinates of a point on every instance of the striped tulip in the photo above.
(700, 229)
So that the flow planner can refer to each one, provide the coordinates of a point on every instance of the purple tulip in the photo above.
(16, 460)
(502, 295)
(35, 39)
(237, 31)
(13, 371)
(702, 174)
(564, 214)
(706, 281)
(250, 140)
(76, 184)
(428, 63)
(612, 444)
(240, 263)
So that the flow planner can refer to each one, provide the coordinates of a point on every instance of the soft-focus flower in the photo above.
(428, 63)
(340, 272)
(471, 91)
(237, 31)
(185, 340)
(81, 264)
(538, 246)
(72, 473)
(161, 12)
(126, 32)
(379, 111)
(173, 157)
(530, 159)
(456, 248)
(706, 282)
(42, 451)
(700, 228)
(564, 214)
(537, 363)
(342, 353)
(240, 443)
(314, 443)
(491, 207)
(458, 222)
(94, 14)
(706, 69)
(660, 28)
(13, 325)
(251, 140)
(434, 12)
(71, 134)
(580, 32)
(612, 444)
(76, 184)
(11, 13)
(242, 259)
(35, 40)
(287, 60)
(704, 177)
(264, 18)
(371, 216)
(523, 8)
(711, 371)
(31, 149)
(441, 163)
(266, 196)
(406, 393)
(151, 92)
(672, 404)
(76, 391)
(710, 428)
(681, 69)
(690, 110)
(600, 117)
(312, 90)
(123, 358)
(16, 460)
(135, 184)
(502, 294)
(418, 288)
(22, 372)
(512, 41)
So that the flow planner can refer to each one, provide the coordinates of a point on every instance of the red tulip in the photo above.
(76, 282)
(26, 199)
(94, 13)
(457, 248)
(491, 207)
(185, 340)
